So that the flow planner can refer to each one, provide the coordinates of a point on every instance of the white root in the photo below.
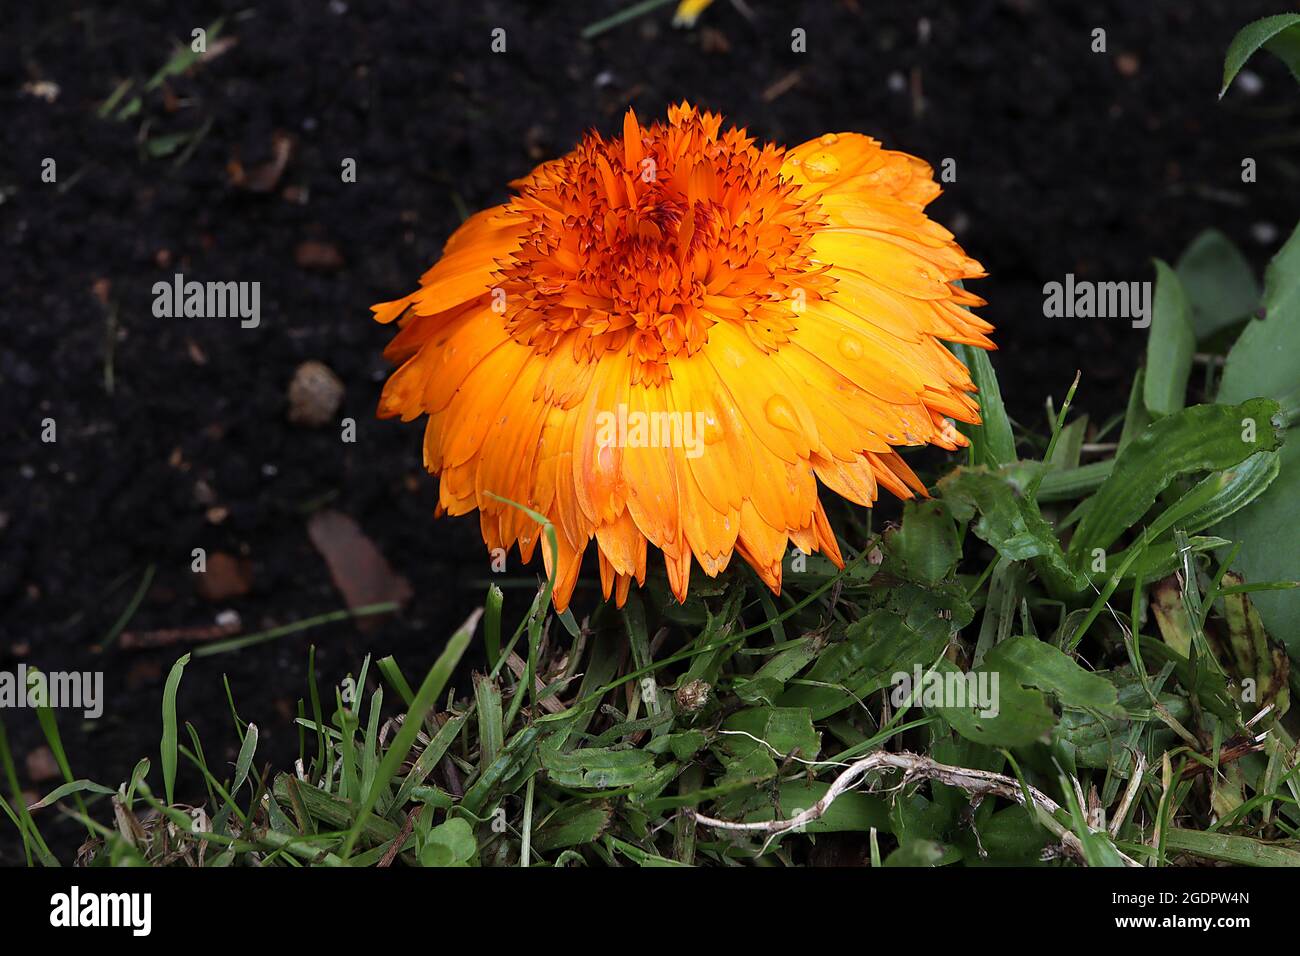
(978, 783)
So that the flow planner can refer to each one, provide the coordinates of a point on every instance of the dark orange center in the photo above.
(643, 243)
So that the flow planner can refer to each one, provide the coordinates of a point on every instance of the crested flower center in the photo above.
(641, 244)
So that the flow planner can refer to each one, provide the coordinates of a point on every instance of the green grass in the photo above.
(667, 734)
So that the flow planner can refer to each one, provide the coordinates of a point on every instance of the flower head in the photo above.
(667, 338)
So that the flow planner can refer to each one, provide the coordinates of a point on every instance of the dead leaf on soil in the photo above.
(226, 577)
(359, 570)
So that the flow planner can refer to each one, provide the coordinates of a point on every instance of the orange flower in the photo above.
(663, 338)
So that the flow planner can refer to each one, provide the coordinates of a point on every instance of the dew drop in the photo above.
(780, 414)
(851, 347)
(830, 139)
(821, 166)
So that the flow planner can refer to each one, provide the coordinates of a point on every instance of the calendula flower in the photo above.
(668, 338)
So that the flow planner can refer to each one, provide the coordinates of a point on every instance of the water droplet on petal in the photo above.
(851, 347)
(830, 139)
(780, 414)
(821, 166)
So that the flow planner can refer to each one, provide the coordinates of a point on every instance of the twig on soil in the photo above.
(165, 637)
(978, 783)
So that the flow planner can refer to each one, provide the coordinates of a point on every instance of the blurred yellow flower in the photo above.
(688, 11)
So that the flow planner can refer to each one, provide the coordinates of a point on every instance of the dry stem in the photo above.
(978, 783)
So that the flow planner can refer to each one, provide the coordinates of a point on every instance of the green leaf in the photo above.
(1267, 532)
(992, 442)
(1201, 438)
(1010, 837)
(874, 649)
(449, 844)
(1072, 483)
(919, 853)
(771, 678)
(785, 730)
(491, 735)
(1008, 521)
(682, 745)
(1214, 498)
(1035, 664)
(1221, 286)
(67, 789)
(1136, 416)
(1226, 848)
(1263, 360)
(1170, 343)
(1094, 740)
(1221, 494)
(925, 549)
(573, 824)
(1011, 715)
(412, 724)
(168, 750)
(1280, 35)
(1069, 446)
(597, 768)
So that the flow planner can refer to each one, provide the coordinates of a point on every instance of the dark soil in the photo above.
(1068, 161)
